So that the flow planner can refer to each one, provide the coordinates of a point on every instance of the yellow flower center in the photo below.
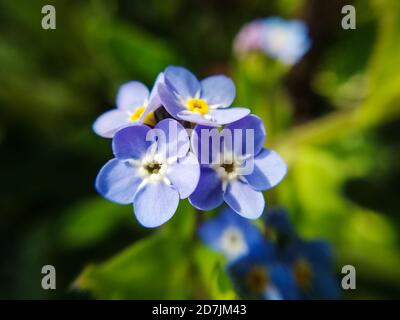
(137, 113)
(198, 106)
(149, 119)
(303, 274)
(257, 279)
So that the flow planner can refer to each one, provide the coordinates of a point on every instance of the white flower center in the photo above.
(229, 168)
(153, 168)
(233, 243)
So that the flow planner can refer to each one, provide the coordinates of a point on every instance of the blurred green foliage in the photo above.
(334, 117)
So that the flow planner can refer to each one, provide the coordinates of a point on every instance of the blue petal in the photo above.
(251, 233)
(225, 116)
(208, 194)
(317, 252)
(185, 175)
(131, 143)
(269, 170)
(210, 233)
(283, 279)
(219, 91)
(206, 144)
(154, 98)
(324, 285)
(197, 118)
(132, 95)
(246, 201)
(110, 122)
(175, 143)
(170, 101)
(118, 182)
(155, 204)
(279, 220)
(251, 122)
(183, 82)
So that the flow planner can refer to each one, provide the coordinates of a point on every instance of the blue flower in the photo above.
(235, 167)
(310, 261)
(135, 104)
(152, 169)
(230, 234)
(286, 40)
(259, 275)
(249, 38)
(312, 269)
(204, 102)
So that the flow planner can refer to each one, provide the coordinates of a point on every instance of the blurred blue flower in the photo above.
(204, 102)
(285, 40)
(259, 275)
(135, 104)
(152, 169)
(230, 234)
(310, 261)
(249, 38)
(236, 169)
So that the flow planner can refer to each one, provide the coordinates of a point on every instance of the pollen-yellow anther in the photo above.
(137, 113)
(148, 119)
(258, 279)
(198, 106)
(303, 274)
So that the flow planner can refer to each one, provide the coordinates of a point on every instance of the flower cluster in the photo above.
(273, 262)
(285, 40)
(183, 140)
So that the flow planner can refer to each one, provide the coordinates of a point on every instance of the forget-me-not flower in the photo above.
(152, 169)
(230, 234)
(259, 275)
(310, 261)
(237, 168)
(285, 40)
(135, 105)
(203, 102)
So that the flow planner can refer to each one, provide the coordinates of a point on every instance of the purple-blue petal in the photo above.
(196, 118)
(208, 194)
(206, 144)
(184, 175)
(246, 201)
(183, 82)
(269, 170)
(118, 181)
(131, 143)
(132, 95)
(170, 101)
(256, 126)
(174, 142)
(155, 204)
(110, 122)
(154, 99)
(218, 91)
(226, 116)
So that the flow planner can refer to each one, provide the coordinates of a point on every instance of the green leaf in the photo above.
(91, 221)
(156, 267)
